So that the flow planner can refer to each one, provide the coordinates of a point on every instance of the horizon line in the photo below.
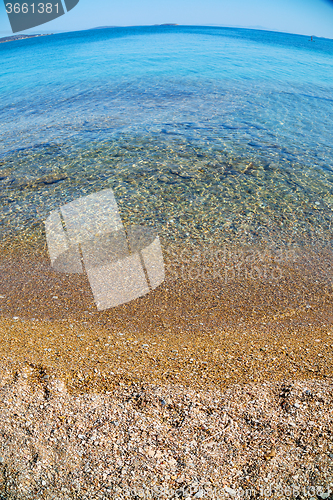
(252, 28)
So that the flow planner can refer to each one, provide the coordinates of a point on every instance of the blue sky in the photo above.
(308, 17)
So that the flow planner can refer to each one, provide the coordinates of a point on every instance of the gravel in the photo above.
(158, 441)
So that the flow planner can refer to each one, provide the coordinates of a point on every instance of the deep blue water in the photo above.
(228, 129)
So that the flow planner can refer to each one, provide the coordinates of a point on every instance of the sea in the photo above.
(213, 136)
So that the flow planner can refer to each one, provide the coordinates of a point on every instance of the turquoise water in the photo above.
(209, 134)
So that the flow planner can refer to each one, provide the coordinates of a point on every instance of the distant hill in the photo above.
(106, 27)
(103, 27)
(20, 37)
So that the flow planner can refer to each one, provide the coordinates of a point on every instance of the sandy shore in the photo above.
(202, 332)
(205, 384)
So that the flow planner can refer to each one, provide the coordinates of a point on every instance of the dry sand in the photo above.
(260, 440)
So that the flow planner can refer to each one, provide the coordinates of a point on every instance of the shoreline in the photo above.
(13, 38)
(205, 315)
(202, 332)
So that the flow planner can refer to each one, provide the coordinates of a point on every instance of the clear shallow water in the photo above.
(207, 133)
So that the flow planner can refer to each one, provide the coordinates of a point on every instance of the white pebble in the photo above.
(230, 491)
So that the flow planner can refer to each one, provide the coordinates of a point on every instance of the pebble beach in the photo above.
(126, 405)
(143, 440)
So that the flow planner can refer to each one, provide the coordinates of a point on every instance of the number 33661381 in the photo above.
(32, 8)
